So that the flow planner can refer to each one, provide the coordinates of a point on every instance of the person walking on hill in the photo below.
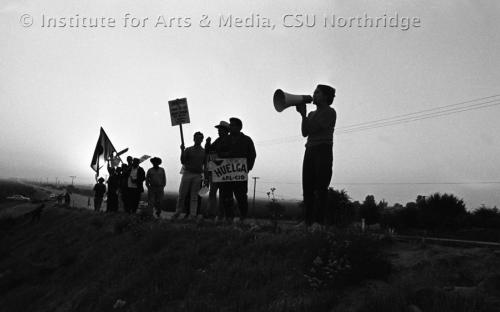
(155, 182)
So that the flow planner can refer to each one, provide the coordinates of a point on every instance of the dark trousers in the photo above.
(97, 203)
(316, 176)
(112, 204)
(131, 198)
(239, 190)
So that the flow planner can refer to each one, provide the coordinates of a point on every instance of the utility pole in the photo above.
(72, 179)
(254, 185)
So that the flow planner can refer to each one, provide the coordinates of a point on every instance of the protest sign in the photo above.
(229, 169)
(179, 113)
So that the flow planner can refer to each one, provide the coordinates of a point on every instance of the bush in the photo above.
(436, 212)
(400, 217)
(370, 211)
(347, 259)
(441, 212)
(485, 217)
(341, 211)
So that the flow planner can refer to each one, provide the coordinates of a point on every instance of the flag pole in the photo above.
(97, 170)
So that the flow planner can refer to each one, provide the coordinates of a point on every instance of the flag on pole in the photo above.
(103, 152)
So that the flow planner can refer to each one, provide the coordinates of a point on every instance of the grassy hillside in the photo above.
(11, 187)
(76, 260)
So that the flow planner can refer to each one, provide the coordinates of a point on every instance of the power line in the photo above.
(423, 111)
(389, 183)
(401, 119)
(421, 117)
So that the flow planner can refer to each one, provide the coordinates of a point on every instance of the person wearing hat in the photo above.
(99, 191)
(155, 182)
(214, 208)
(135, 187)
(318, 127)
(236, 145)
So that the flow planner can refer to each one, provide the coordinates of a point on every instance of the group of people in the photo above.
(197, 172)
(317, 126)
(126, 183)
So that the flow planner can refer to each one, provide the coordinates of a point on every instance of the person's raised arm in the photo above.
(183, 154)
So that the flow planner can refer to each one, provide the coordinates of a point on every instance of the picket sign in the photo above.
(179, 114)
(229, 169)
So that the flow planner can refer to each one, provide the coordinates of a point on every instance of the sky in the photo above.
(60, 84)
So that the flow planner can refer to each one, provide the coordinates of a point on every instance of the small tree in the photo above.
(275, 209)
(441, 211)
(370, 210)
(340, 210)
(485, 217)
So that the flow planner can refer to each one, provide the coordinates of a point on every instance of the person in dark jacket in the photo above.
(236, 145)
(99, 191)
(113, 185)
(212, 149)
(135, 177)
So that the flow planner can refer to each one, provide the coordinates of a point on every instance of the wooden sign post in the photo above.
(179, 114)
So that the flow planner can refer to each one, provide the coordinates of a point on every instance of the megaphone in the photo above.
(283, 100)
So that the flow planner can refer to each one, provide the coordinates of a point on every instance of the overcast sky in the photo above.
(59, 85)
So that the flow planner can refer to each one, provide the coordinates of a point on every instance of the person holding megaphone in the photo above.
(318, 127)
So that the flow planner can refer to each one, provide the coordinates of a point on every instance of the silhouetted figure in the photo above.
(212, 150)
(123, 187)
(113, 186)
(67, 199)
(126, 196)
(99, 191)
(192, 159)
(155, 182)
(236, 145)
(135, 187)
(318, 127)
(60, 199)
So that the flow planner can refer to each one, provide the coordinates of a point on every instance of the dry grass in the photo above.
(77, 260)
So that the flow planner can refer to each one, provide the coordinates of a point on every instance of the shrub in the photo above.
(370, 211)
(347, 259)
(485, 217)
(275, 209)
(441, 211)
(341, 211)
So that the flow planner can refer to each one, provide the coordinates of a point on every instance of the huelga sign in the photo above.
(229, 169)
